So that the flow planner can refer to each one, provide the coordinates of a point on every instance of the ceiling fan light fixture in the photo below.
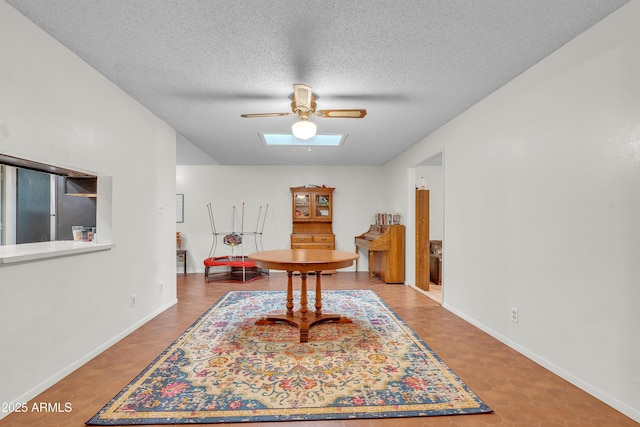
(304, 129)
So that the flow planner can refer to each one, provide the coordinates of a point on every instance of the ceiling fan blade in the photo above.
(252, 116)
(345, 114)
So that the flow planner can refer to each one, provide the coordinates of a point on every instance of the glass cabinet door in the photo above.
(302, 202)
(323, 206)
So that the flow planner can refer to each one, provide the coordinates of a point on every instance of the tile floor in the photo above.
(519, 391)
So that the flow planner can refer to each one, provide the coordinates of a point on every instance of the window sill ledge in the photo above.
(42, 250)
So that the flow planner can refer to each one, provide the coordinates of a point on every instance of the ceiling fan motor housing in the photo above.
(303, 99)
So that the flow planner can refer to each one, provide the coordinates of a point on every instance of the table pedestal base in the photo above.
(303, 324)
(302, 318)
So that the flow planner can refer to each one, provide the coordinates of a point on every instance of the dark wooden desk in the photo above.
(304, 261)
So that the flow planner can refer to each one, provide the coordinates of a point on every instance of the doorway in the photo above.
(429, 176)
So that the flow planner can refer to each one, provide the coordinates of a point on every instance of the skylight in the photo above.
(279, 139)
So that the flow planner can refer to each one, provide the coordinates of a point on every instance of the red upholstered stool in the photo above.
(241, 268)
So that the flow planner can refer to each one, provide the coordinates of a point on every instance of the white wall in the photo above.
(55, 314)
(356, 199)
(542, 200)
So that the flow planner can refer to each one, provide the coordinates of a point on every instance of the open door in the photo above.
(422, 240)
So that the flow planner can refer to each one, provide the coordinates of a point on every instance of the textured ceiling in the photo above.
(414, 65)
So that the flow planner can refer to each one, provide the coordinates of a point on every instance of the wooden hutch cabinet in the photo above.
(312, 214)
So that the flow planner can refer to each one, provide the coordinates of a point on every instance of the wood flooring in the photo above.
(520, 392)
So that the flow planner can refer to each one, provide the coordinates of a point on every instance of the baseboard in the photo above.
(622, 407)
(35, 391)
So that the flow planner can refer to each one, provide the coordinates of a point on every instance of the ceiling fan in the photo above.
(303, 103)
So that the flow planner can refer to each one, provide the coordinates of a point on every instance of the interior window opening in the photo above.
(39, 205)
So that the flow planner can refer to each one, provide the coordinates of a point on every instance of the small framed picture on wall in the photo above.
(179, 207)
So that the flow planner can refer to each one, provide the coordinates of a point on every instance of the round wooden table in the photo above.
(304, 261)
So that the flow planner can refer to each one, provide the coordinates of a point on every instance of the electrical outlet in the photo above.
(161, 287)
(514, 314)
(133, 300)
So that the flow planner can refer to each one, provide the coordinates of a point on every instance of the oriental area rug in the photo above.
(227, 369)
